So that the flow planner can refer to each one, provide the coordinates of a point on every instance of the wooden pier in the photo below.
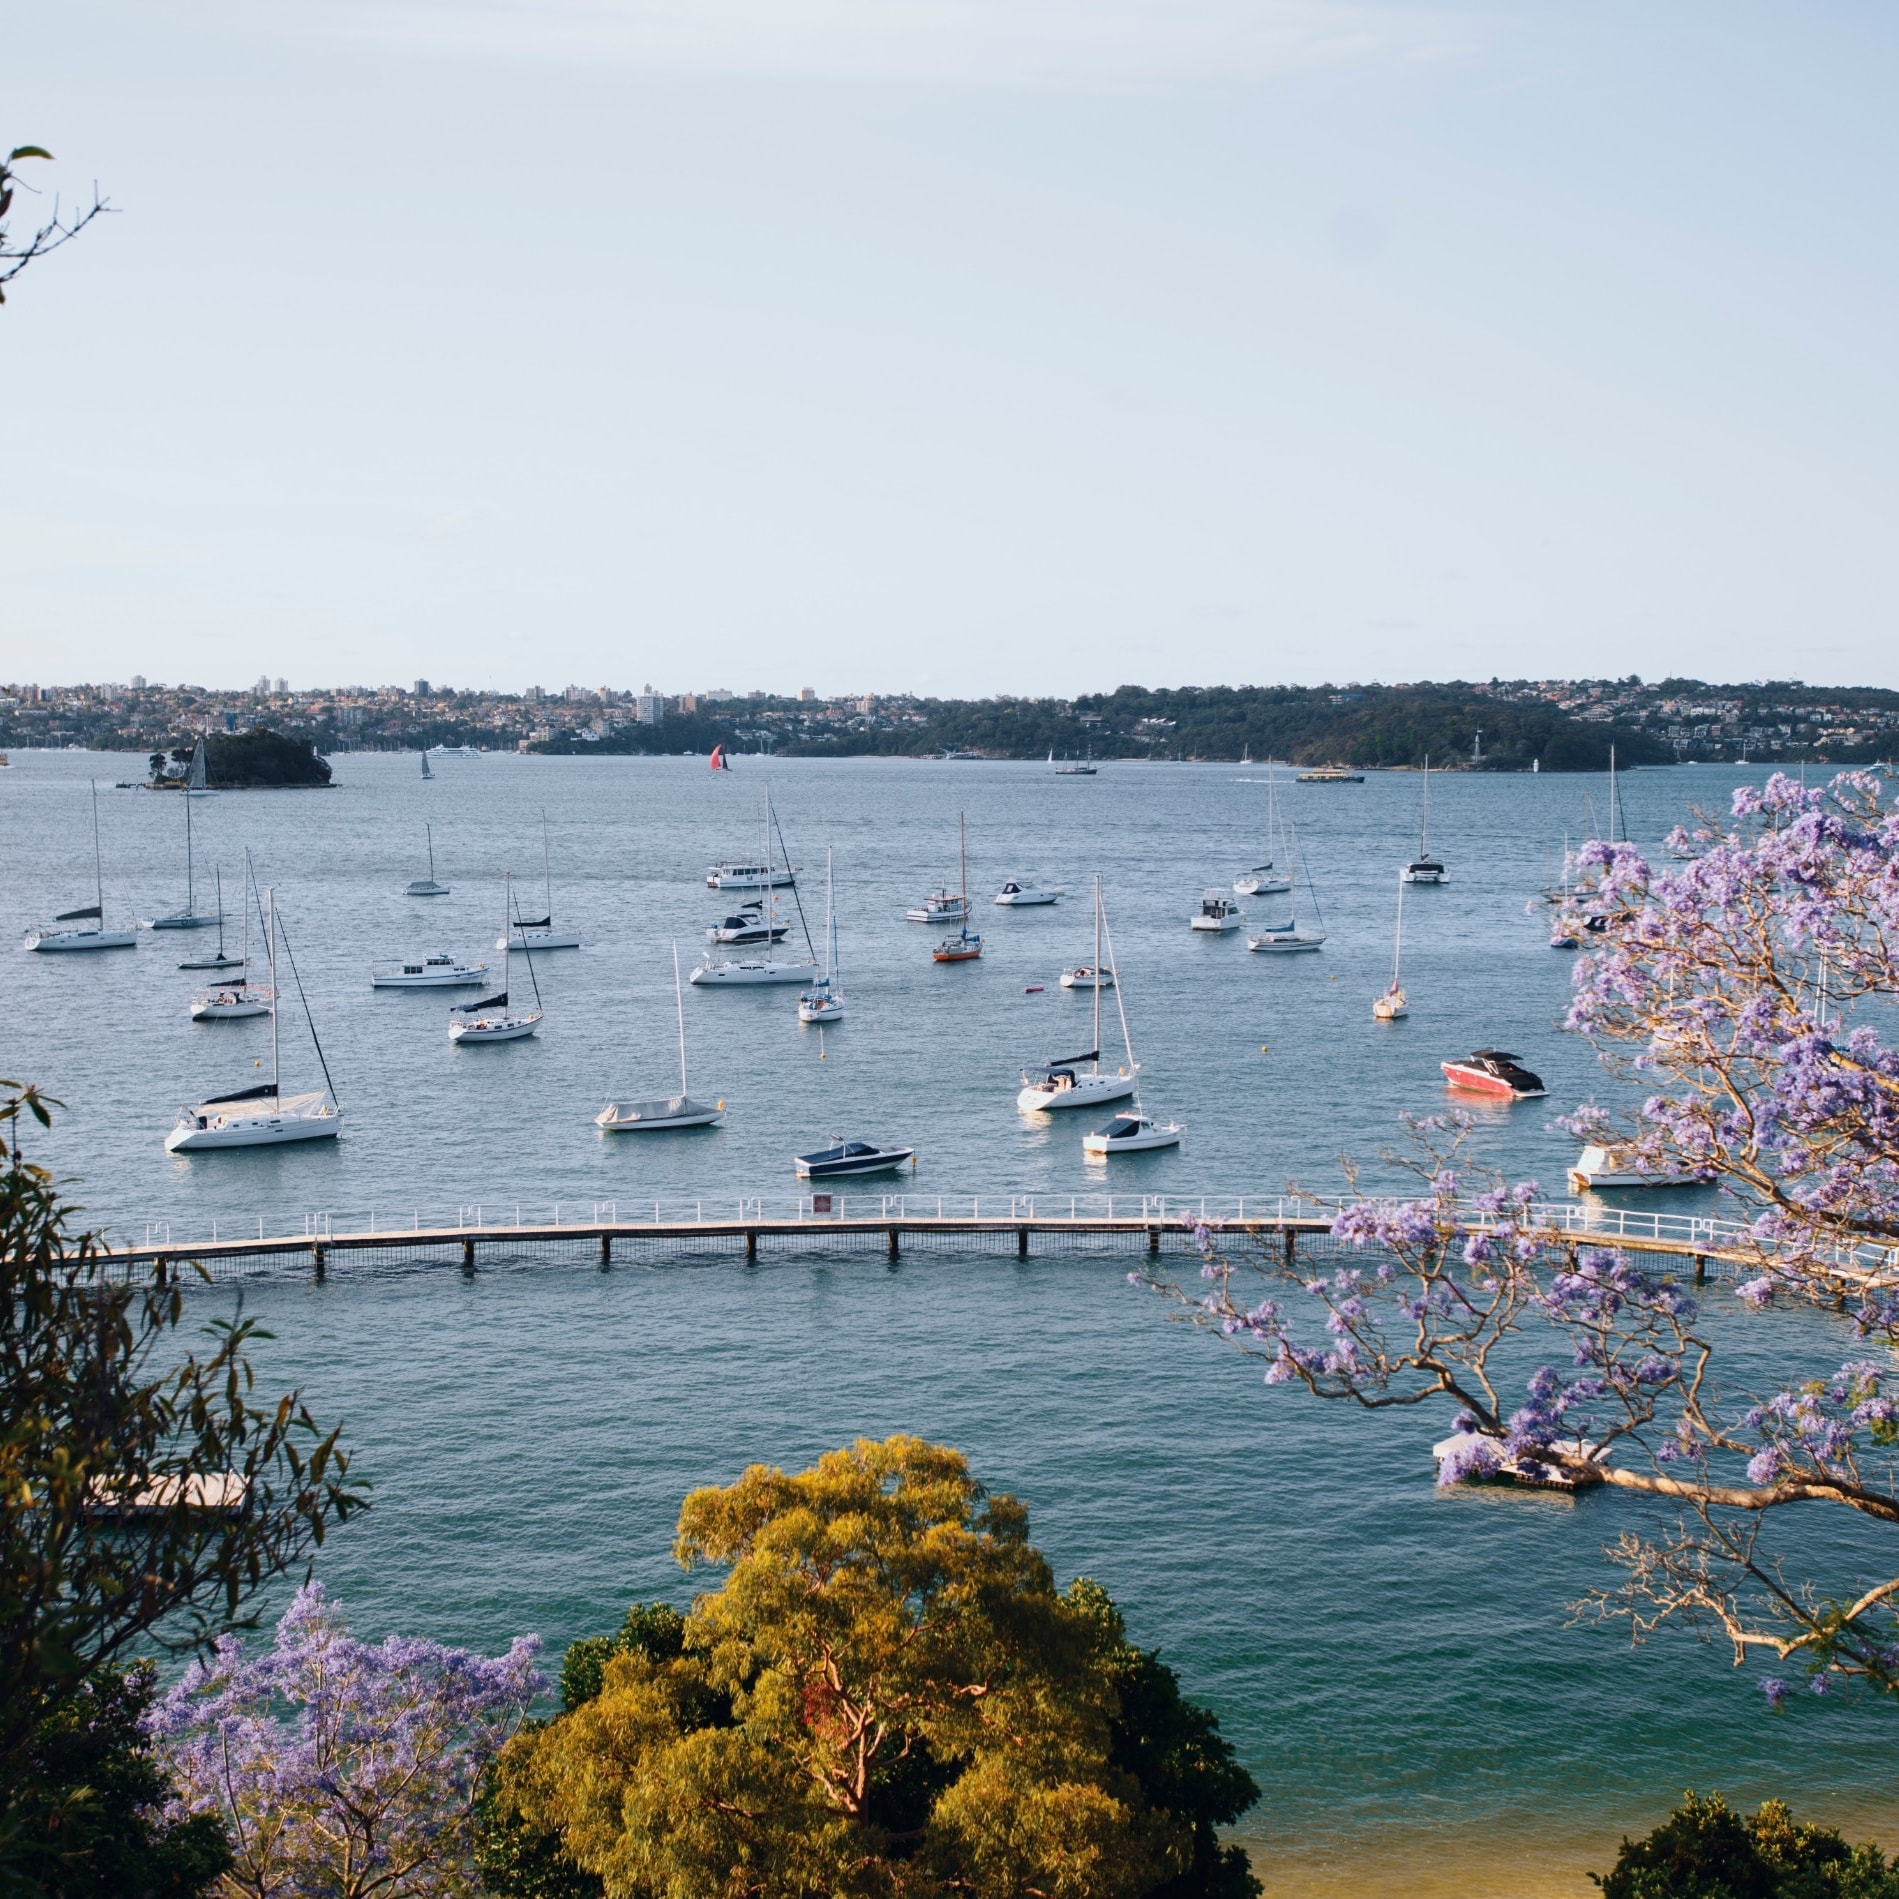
(820, 1222)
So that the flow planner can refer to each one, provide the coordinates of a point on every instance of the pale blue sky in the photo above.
(956, 346)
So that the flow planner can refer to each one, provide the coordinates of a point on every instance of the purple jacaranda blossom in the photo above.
(1775, 1690)
(1471, 1456)
(340, 1767)
(1764, 1466)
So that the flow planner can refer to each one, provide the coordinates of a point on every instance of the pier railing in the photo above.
(819, 1218)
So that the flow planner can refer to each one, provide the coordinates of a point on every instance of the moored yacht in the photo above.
(851, 1157)
(539, 933)
(439, 971)
(665, 1112)
(1620, 1164)
(1021, 896)
(96, 936)
(824, 1001)
(1424, 868)
(427, 886)
(492, 1019)
(1078, 1081)
(1494, 1071)
(1218, 913)
(1131, 1133)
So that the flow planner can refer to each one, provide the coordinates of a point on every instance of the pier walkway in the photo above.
(821, 1222)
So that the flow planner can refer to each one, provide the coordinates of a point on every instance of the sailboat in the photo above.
(195, 783)
(824, 1000)
(1133, 1130)
(765, 968)
(97, 936)
(1288, 939)
(539, 933)
(490, 1019)
(670, 1111)
(427, 886)
(965, 946)
(190, 917)
(1263, 880)
(219, 960)
(238, 1001)
(1393, 1003)
(426, 773)
(1424, 868)
(1064, 1083)
(263, 1116)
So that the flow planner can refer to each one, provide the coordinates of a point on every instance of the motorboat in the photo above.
(97, 936)
(940, 906)
(1131, 1133)
(263, 1115)
(1287, 938)
(824, 1000)
(851, 1157)
(1394, 1003)
(429, 972)
(190, 917)
(1019, 896)
(1493, 1071)
(1087, 976)
(539, 933)
(1424, 868)
(668, 1112)
(455, 751)
(750, 876)
(427, 886)
(1601, 1165)
(492, 1019)
(966, 945)
(1218, 913)
(748, 924)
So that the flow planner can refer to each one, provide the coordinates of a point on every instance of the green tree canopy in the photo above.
(887, 1696)
(1705, 1850)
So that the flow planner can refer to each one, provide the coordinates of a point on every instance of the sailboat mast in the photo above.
(1120, 1007)
(1097, 972)
(679, 1006)
(191, 882)
(547, 868)
(220, 874)
(98, 874)
(507, 927)
(276, 1071)
(1424, 816)
(1612, 799)
(1397, 948)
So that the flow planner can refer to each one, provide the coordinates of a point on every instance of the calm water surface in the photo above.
(1392, 1664)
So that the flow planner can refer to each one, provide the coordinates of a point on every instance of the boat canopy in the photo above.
(1074, 1061)
(259, 1093)
(534, 923)
(77, 916)
(487, 1002)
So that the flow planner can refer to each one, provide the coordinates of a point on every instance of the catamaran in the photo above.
(539, 933)
(1287, 939)
(824, 1000)
(1067, 1083)
(263, 1116)
(427, 886)
(491, 1019)
(668, 1111)
(966, 945)
(190, 917)
(1424, 868)
(1393, 1003)
(1133, 1130)
(1264, 880)
(97, 937)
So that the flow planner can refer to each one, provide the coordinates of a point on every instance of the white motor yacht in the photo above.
(97, 936)
(1020, 896)
(1217, 914)
(940, 906)
(1134, 1133)
(747, 924)
(1603, 1164)
(429, 972)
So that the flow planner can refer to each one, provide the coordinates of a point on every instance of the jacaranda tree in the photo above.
(1749, 984)
(343, 1767)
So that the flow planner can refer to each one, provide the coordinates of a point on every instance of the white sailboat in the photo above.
(668, 1111)
(824, 1000)
(1288, 939)
(539, 933)
(237, 1001)
(263, 1116)
(190, 917)
(1067, 1083)
(427, 886)
(764, 967)
(966, 945)
(491, 1019)
(1133, 1130)
(95, 937)
(195, 785)
(1424, 868)
(1087, 976)
(1394, 1003)
(426, 773)
(1265, 879)
(218, 960)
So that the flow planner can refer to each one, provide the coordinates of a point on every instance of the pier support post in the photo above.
(1022, 1242)
(751, 1245)
(468, 1252)
(606, 1251)
(1153, 1240)
(890, 1239)
(161, 1270)
(1701, 1269)
(317, 1266)
(1292, 1242)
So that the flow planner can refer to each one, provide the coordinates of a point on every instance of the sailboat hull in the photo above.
(492, 1028)
(186, 920)
(657, 1117)
(723, 975)
(47, 942)
(205, 1132)
(1285, 942)
(1087, 1091)
(540, 940)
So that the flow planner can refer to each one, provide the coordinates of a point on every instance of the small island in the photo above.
(257, 760)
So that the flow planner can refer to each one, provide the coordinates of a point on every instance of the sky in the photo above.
(953, 346)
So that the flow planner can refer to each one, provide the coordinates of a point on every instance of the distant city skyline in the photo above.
(954, 350)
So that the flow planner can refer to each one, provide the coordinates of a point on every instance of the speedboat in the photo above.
(749, 876)
(1391, 1005)
(1289, 941)
(1061, 1084)
(747, 924)
(1492, 1071)
(491, 1020)
(940, 906)
(429, 972)
(235, 1003)
(1217, 914)
(656, 1117)
(1087, 976)
(1261, 881)
(1018, 896)
(1134, 1133)
(760, 969)
(255, 1117)
(851, 1157)
(1602, 1165)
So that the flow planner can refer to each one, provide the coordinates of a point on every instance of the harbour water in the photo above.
(1393, 1664)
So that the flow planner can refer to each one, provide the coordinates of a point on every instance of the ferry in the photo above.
(1332, 775)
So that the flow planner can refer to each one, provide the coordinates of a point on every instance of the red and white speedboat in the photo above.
(1490, 1071)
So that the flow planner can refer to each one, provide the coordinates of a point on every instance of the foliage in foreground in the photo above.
(367, 1790)
(106, 1432)
(1705, 1850)
(887, 1696)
